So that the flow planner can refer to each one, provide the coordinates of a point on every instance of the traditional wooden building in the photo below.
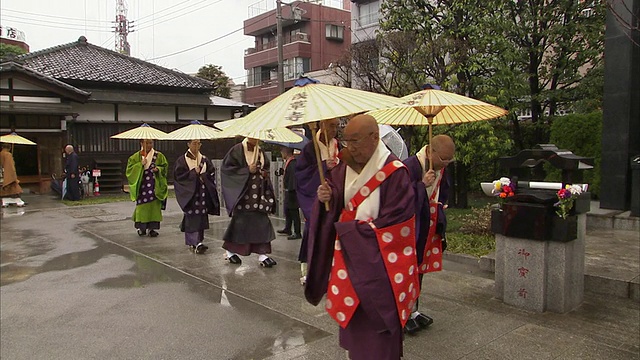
(82, 94)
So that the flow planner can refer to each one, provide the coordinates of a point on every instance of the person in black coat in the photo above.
(196, 193)
(72, 174)
(291, 206)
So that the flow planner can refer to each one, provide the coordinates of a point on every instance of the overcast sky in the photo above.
(161, 27)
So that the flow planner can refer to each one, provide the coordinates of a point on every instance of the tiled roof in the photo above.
(83, 62)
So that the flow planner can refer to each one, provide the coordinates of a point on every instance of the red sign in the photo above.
(95, 173)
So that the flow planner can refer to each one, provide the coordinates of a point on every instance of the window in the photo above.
(294, 68)
(334, 32)
(368, 13)
(292, 34)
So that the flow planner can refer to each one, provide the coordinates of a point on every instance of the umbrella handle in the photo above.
(430, 155)
(318, 159)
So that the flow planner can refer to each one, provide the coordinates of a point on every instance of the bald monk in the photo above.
(366, 241)
(431, 187)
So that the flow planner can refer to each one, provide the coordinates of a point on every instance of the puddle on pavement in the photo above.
(276, 332)
(145, 272)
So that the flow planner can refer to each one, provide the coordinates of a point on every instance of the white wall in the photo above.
(23, 85)
(94, 112)
(138, 113)
(191, 113)
(216, 113)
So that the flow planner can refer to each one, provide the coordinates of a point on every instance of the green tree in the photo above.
(445, 38)
(6, 49)
(560, 47)
(218, 78)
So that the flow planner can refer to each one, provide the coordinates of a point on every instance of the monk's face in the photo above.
(361, 138)
(443, 152)
(330, 127)
(147, 145)
(194, 146)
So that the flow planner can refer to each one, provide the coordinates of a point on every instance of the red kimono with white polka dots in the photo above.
(397, 247)
(432, 259)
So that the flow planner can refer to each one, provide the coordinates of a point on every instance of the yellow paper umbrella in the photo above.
(437, 107)
(142, 132)
(309, 101)
(14, 138)
(278, 134)
(194, 131)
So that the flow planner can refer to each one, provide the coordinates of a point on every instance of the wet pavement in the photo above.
(79, 283)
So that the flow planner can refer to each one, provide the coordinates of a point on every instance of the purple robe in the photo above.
(421, 204)
(307, 182)
(195, 193)
(374, 332)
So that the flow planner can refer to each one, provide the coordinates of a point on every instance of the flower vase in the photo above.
(564, 230)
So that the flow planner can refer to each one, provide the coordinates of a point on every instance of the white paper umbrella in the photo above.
(278, 135)
(194, 131)
(309, 102)
(14, 138)
(142, 132)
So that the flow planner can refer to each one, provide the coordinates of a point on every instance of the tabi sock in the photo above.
(262, 257)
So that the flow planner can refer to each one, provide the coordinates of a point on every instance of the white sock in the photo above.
(415, 314)
(229, 254)
(262, 257)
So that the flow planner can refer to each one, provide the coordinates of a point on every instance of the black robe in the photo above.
(186, 182)
(73, 179)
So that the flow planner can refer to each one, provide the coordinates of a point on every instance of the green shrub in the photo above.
(580, 134)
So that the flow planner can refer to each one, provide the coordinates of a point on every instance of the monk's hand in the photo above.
(324, 193)
(155, 169)
(429, 178)
(253, 168)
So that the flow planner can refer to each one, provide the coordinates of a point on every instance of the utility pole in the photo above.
(280, 46)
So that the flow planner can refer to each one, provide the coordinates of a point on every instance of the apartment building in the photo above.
(315, 35)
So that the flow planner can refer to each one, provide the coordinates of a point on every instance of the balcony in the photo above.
(297, 48)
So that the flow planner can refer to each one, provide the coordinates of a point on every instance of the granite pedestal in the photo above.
(541, 275)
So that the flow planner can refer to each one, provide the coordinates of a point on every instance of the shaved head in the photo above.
(444, 150)
(363, 124)
(361, 136)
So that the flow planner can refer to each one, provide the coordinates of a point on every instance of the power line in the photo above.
(197, 46)
(211, 53)
(12, 17)
(167, 8)
(50, 16)
(80, 27)
(154, 21)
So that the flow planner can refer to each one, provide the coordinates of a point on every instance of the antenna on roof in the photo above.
(122, 28)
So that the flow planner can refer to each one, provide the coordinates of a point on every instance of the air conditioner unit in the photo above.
(302, 37)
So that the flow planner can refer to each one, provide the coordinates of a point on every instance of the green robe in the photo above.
(151, 211)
